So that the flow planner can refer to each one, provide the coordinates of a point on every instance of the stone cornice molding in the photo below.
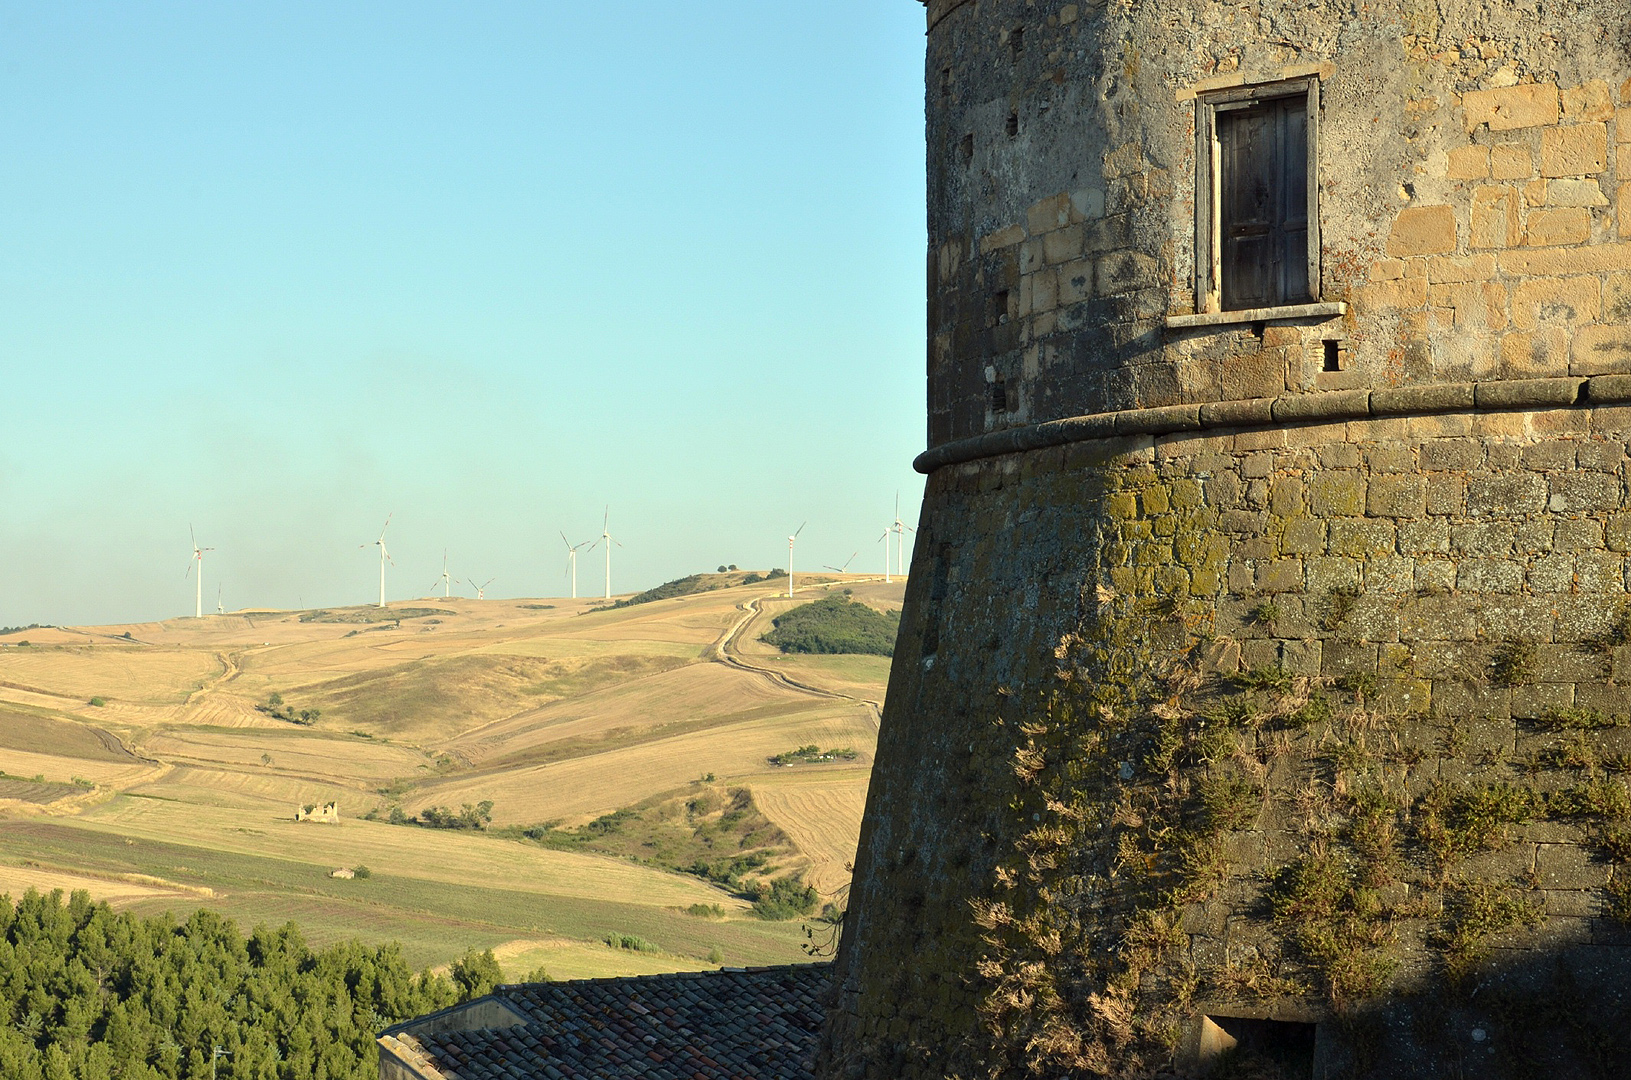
(939, 9)
(1337, 405)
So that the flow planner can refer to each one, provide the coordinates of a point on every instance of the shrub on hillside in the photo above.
(785, 898)
(478, 816)
(835, 624)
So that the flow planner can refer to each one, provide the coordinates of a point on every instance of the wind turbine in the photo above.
(845, 567)
(481, 593)
(572, 560)
(220, 609)
(900, 528)
(384, 556)
(790, 540)
(198, 561)
(447, 582)
(608, 540)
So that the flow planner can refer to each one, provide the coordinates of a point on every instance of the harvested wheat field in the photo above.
(463, 744)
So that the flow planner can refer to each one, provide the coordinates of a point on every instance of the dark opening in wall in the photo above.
(1249, 1047)
(1333, 356)
(945, 82)
(1012, 126)
(1016, 40)
(999, 395)
(999, 305)
(966, 148)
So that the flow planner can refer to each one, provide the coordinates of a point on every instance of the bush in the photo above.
(706, 911)
(835, 624)
(785, 898)
(475, 817)
(631, 942)
(361, 871)
(97, 702)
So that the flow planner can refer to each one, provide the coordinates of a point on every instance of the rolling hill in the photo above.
(160, 765)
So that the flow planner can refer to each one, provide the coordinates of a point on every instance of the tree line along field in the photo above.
(148, 765)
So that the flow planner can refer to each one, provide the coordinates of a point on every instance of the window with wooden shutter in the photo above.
(1257, 227)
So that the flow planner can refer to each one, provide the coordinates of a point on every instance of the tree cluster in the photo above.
(88, 994)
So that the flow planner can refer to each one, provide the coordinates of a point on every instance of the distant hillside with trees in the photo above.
(835, 624)
(88, 994)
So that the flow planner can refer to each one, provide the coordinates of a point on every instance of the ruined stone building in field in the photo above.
(1260, 701)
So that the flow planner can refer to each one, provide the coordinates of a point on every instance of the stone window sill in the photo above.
(1253, 315)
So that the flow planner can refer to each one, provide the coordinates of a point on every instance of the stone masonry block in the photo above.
(1599, 572)
(1601, 350)
(1511, 161)
(1327, 574)
(1574, 150)
(1364, 538)
(1303, 536)
(1495, 220)
(1580, 492)
(1593, 100)
(1446, 495)
(1505, 494)
(1424, 537)
(1535, 701)
(1435, 576)
(1456, 455)
(1557, 226)
(1568, 866)
(1548, 456)
(1397, 496)
(1509, 107)
(1338, 493)
(1575, 193)
(1489, 576)
(1468, 163)
(1423, 230)
(1049, 214)
(1579, 535)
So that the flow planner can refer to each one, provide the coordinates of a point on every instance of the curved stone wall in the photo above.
(1455, 585)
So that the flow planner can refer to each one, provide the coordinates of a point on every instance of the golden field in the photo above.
(178, 787)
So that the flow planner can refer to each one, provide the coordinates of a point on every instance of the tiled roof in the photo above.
(753, 1024)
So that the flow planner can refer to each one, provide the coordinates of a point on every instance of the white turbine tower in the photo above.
(900, 529)
(572, 560)
(447, 582)
(790, 540)
(197, 561)
(384, 556)
(481, 590)
(607, 539)
(220, 608)
(884, 540)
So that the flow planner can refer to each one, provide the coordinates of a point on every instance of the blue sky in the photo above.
(279, 270)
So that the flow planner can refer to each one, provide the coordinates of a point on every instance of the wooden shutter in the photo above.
(1265, 203)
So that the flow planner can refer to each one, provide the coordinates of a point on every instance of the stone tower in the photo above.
(1260, 694)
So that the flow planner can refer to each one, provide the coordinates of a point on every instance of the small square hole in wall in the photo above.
(999, 395)
(1257, 1048)
(1333, 356)
(966, 148)
(945, 82)
(1016, 40)
(999, 306)
(1012, 126)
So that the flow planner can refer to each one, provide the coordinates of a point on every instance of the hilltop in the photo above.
(621, 757)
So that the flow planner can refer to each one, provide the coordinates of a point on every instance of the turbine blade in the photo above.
(567, 542)
(799, 530)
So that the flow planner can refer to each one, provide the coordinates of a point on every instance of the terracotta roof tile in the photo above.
(712, 1025)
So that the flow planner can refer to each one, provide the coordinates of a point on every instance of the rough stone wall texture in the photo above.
(1471, 209)
(1316, 711)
